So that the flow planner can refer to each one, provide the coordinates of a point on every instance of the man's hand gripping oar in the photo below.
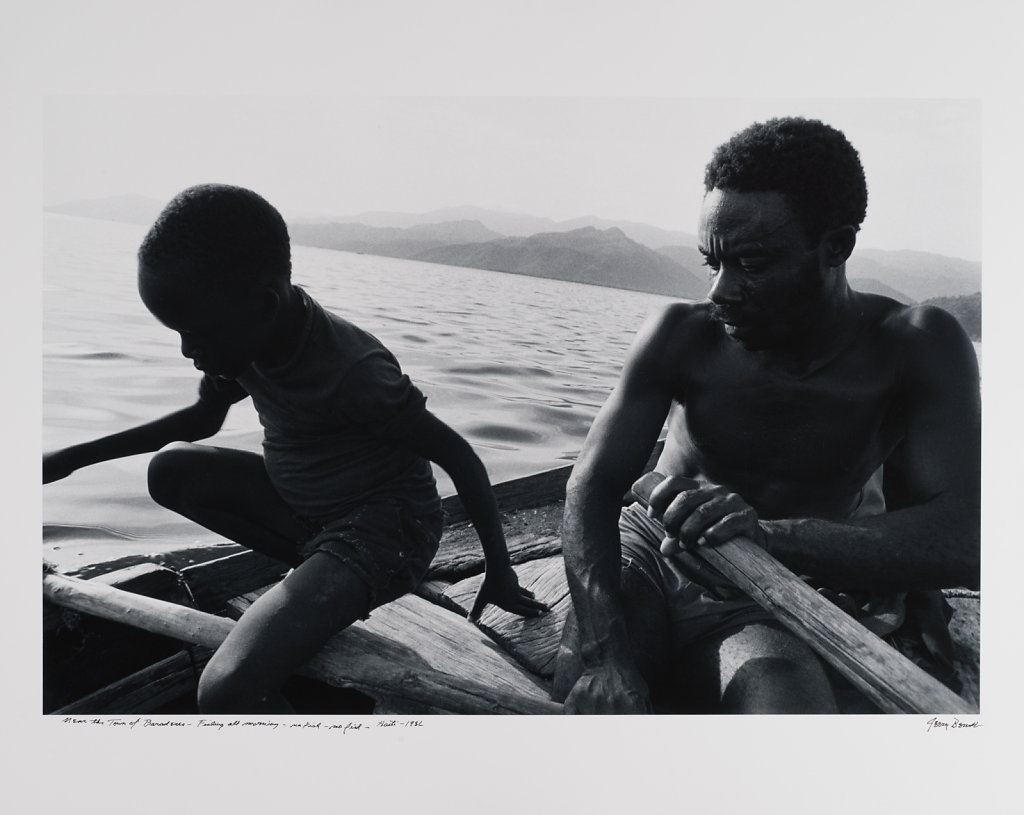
(880, 672)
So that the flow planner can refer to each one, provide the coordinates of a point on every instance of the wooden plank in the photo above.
(215, 582)
(434, 591)
(418, 633)
(876, 669)
(460, 556)
(532, 641)
(520, 493)
(965, 631)
(366, 657)
(147, 690)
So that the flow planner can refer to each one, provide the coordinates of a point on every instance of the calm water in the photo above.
(518, 365)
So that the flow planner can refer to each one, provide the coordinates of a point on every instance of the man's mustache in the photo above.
(724, 315)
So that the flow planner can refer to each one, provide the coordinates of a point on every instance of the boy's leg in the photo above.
(280, 631)
(229, 492)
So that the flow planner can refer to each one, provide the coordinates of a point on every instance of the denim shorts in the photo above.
(699, 600)
(384, 543)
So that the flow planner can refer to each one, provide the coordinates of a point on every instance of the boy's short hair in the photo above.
(226, 236)
(812, 164)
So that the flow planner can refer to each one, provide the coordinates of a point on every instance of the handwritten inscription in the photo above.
(217, 725)
(941, 725)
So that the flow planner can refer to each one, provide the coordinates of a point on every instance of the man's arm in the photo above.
(434, 440)
(932, 538)
(198, 421)
(617, 447)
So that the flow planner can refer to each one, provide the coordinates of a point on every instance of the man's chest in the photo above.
(836, 424)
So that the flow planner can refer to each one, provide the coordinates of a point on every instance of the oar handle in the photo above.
(879, 671)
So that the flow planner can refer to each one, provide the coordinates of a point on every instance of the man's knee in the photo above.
(776, 685)
(767, 670)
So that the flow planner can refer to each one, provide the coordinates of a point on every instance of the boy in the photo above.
(344, 492)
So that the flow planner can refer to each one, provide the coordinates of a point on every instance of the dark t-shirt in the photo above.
(334, 418)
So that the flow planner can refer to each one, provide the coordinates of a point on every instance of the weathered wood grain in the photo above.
(532, 641)
(460, 556)
(401, 652)
(415, 633)
(215, 582)
(965, 630)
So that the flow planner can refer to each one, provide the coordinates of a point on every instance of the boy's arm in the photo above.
(198, 421)
(436, 441)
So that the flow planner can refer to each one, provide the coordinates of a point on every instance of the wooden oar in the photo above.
(378, 677)
(879, 671)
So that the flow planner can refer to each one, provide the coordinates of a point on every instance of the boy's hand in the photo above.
(57, 465)
(502, 588)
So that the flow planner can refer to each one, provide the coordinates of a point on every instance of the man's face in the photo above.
(766, 275)
(221, 337)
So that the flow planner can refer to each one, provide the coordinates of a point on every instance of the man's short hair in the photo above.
(809, 162)
(226, 236)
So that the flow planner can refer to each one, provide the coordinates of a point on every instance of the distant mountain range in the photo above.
(920, 275)
(390, 241)
(513, 224)
(587, 255)
(620, 254)
(132, 209)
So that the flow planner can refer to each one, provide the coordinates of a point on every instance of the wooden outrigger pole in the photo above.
(349, 659)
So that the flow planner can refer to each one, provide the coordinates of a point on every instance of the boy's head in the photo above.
(224, 239)
(213, 268)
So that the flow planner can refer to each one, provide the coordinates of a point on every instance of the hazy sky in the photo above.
(637, 159)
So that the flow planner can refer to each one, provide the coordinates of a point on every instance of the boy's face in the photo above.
(222, 335)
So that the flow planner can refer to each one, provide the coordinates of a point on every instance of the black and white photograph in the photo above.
(759, 371)
(469, 419)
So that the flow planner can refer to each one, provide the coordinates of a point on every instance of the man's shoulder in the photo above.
(924, 341)
(671, 341)
(680, 323)
(916, 326)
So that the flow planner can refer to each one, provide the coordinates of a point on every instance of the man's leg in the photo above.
(229, 492)
(760, 668)
(280, 631)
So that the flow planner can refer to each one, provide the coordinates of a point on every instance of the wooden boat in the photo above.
(134, 638)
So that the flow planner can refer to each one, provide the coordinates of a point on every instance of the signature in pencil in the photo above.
(935, 723)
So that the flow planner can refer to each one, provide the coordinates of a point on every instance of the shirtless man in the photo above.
(785, 393)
